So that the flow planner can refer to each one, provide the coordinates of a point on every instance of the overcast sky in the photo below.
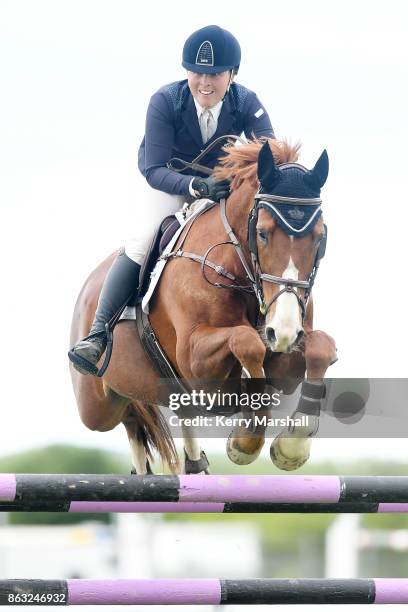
(76, 78)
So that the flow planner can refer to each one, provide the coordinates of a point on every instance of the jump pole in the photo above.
(136, 507)
(63, 488)
(203, 591)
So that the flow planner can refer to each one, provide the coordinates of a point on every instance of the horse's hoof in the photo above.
(237, 454)
(286, 462)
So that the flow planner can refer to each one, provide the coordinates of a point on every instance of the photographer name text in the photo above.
(224, 421)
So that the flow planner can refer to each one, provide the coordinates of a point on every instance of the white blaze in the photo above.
(286, 320)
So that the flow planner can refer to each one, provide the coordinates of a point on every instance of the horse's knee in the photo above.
(320, 350)
(194, 364)
(247, 345)
(201, 360)
(199, 370)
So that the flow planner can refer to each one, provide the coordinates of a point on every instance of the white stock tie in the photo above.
(207, 125)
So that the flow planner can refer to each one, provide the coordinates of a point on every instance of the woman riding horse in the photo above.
(263, 244)
(182, 117)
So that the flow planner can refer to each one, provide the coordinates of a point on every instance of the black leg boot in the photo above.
(120, 286)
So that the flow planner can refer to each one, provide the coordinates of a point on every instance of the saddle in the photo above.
(152, 348)
(161, 239)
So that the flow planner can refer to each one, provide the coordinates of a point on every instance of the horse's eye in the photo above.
(263, 235)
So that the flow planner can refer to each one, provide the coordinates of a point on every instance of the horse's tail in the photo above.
(153, 431)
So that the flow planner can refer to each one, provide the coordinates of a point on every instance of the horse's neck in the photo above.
(239, 205)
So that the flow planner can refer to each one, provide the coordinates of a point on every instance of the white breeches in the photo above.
(155, 207)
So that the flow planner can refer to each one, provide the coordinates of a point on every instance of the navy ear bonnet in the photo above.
(292, 184)
(291, 181)
(295, 219)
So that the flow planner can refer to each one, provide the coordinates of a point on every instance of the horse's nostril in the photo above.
(299, 337)
(270, 334)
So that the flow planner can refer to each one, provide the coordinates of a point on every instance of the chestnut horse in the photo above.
(208, 332)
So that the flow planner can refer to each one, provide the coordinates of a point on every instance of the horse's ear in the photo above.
(316, 178)
(268, 173)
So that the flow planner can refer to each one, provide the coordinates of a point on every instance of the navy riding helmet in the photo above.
(211, 50)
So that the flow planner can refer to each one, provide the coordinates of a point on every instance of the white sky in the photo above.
(76, 80)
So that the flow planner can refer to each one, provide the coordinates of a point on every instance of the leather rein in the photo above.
(179, 165)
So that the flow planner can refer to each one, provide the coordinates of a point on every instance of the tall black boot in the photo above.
(120, 286)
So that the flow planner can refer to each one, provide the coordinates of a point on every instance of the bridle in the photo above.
(268, 202)
(253, 269)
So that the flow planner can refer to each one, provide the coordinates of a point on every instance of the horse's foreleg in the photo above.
(213, 352)
(245, 442)
(291, 449)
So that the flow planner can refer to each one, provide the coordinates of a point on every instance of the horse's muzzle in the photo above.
(283, 343)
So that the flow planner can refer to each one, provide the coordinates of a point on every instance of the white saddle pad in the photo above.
(194, 210)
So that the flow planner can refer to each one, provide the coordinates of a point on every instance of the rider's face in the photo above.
(208, 89)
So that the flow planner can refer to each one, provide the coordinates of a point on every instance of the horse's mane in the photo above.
(240, 162)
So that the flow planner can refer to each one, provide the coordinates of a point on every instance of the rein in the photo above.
(195, 165)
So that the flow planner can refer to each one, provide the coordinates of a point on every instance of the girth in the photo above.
(155, 352)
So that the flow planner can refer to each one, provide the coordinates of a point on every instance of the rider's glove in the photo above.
(211, 189)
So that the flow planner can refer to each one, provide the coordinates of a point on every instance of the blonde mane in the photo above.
(241, 162)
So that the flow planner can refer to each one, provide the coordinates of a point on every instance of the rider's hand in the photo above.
(211, 189)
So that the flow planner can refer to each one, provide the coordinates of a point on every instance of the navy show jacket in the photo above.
(172, 130)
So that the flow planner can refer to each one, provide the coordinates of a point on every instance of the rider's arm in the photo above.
(158, 147)
(256, 119)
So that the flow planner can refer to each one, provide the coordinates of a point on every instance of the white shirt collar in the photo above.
(215, 110)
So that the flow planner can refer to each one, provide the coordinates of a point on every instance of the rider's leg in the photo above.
(122, 279)
(121, 283)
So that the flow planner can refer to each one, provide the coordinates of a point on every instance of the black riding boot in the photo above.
(120, 285)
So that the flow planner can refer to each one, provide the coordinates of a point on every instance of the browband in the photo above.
(285, 200)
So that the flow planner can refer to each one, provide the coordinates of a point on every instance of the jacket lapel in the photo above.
(225, 120)
(190, 120)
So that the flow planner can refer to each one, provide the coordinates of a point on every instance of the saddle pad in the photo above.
(197, 208)
(162, 237)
